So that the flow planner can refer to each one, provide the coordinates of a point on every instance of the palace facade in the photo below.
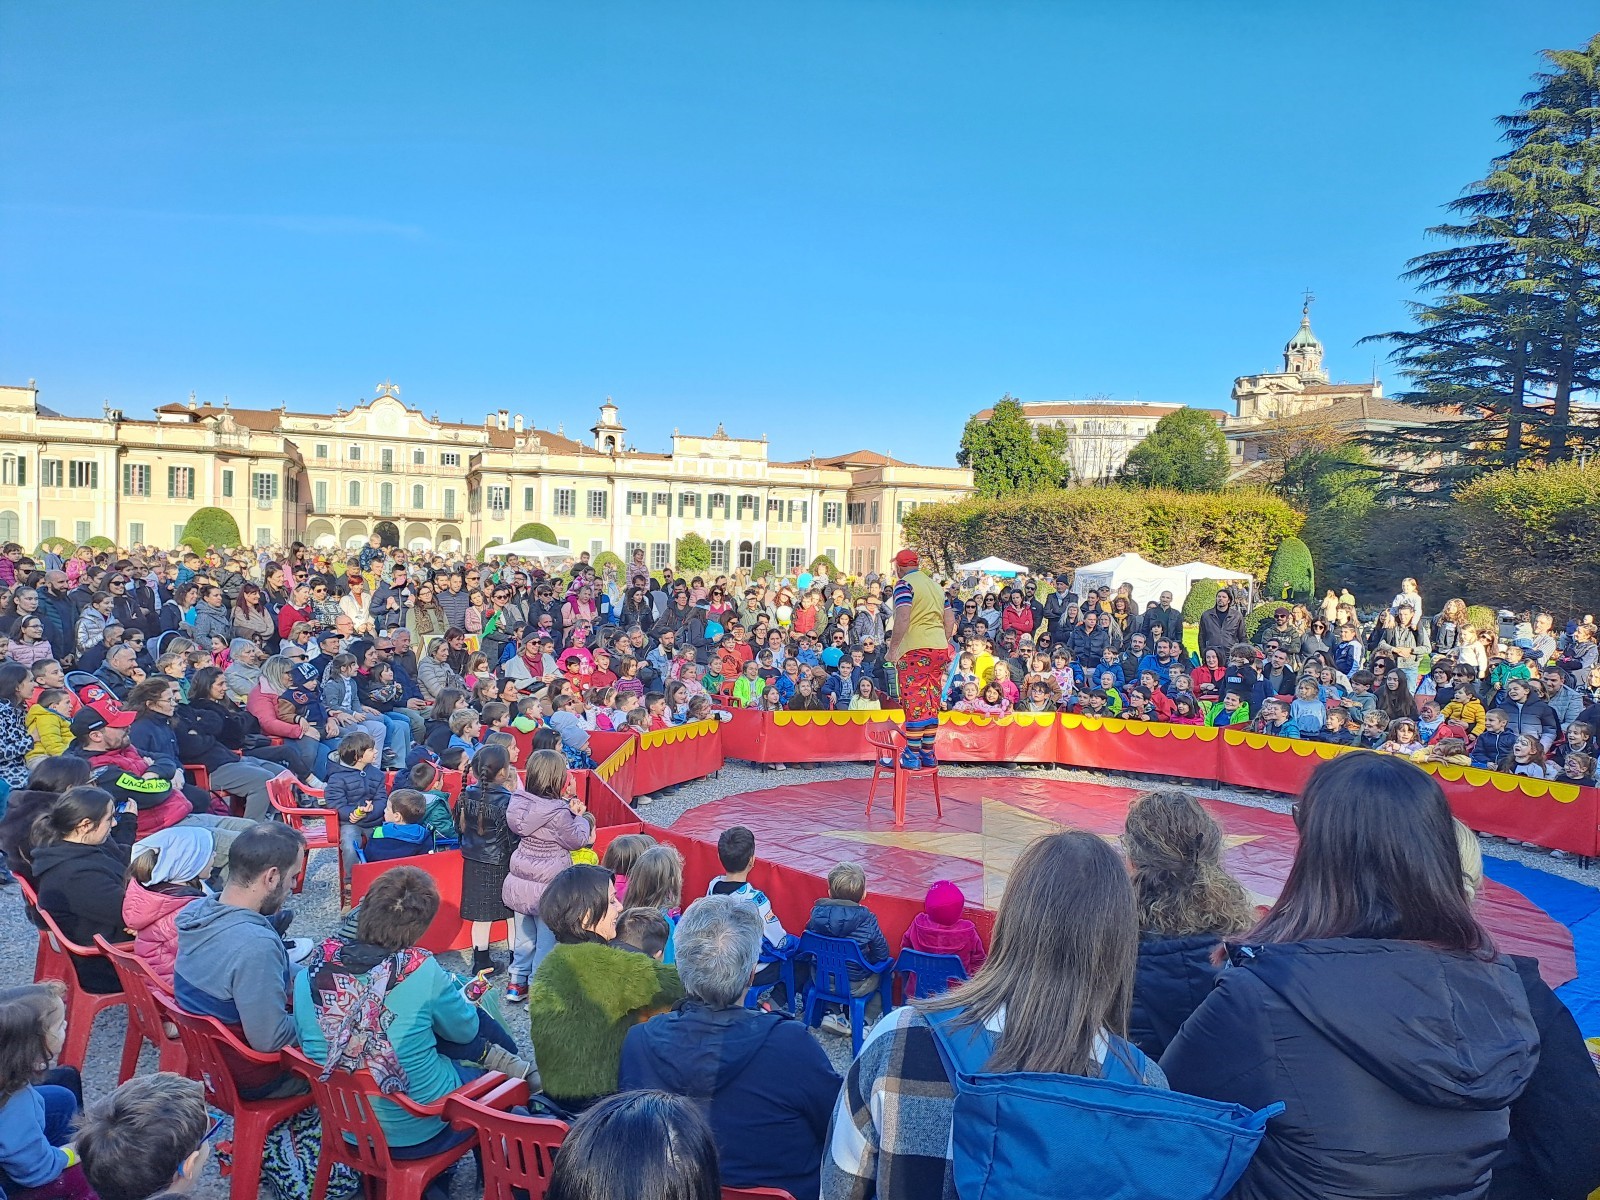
(383, 467)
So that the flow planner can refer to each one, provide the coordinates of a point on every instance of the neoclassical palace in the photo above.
(384, 467)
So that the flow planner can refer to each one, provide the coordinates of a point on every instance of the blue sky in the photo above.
(835, 223)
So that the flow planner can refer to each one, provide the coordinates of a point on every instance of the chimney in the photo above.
(505, 418)
(518, 425)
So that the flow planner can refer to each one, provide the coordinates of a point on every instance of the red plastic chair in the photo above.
(733, 1193)
(212, 1050)
(82, 1006)
(49, 962)
(518, 1153)
(890, 743)
(145, 1022)
(280, 790)
(344, 1101)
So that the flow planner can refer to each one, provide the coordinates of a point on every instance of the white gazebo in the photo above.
(994, 566)
(529, 548)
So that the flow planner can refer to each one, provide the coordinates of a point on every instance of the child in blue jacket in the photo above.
(355, 790)
(1495, 742)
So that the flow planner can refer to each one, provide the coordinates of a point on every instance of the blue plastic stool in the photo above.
(784, 954)
(830, 982)
(923, 975)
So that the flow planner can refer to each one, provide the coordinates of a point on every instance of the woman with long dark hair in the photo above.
(1370, 1001)
(1052, 997)
(1394, 696)
(1187, 904)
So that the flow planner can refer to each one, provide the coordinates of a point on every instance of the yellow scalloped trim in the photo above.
(1560, 792)
(1234, 736)
(617, 757)
(676, 734)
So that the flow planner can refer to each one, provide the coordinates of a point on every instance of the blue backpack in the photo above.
(1026, 1135)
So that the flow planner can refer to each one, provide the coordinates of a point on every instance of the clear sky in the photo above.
(840, 223)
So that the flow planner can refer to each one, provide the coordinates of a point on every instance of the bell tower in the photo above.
(608, 430)
(1303, 355)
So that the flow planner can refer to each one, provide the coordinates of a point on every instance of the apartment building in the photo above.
(383, 467)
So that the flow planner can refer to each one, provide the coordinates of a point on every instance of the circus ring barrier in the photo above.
(1554, 814)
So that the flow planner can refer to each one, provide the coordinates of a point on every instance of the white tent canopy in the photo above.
(993, 566)
(1200, 570)
(1147, 578)
(529, 548)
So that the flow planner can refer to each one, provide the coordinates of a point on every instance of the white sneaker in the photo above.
(313, 782)
(299, 949)
(780, 766)
(834, 1023)
(641, 801)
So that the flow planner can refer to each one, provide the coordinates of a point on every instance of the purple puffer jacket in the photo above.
(549, 833)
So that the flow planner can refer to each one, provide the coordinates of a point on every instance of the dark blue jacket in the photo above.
(1398, 1064)
(349, 788)
(158, 742)
(1553, 1153)
(847, 919)
(1491, 747)
(1173, 977)
(390, 841)
(761, 1078)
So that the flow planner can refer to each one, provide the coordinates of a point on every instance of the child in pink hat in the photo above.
(940, 928)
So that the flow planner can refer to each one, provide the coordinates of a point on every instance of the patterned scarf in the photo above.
(351, 1011)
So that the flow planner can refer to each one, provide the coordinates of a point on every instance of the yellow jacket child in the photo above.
(52, 733)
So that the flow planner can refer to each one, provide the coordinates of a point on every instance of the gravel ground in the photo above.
(316, 910)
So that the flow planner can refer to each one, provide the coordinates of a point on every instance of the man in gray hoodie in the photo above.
(232, 962)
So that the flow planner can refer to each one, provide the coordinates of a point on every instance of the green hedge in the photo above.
(1529, 532)
(100, 542)
(1258, 615)
(1291, 570)
(1059, 530)
(762, 569)
(533, 529)
(822, 560)
(1202, 596)
(210, 527)
(1482, 617)
(607, 559)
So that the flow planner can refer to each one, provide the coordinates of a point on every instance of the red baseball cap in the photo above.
(907, 558)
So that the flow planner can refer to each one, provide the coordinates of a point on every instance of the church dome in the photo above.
(1303, 338)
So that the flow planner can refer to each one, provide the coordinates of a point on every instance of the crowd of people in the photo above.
(150, 703)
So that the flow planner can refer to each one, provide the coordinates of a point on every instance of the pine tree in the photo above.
(1510, 330)
(1009, 456)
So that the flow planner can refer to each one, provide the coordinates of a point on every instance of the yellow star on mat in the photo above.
(1005, 833)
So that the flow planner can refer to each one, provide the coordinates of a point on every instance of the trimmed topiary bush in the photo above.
(1291, 570)
(822, 560)
(694, 554)
(607, 559)
(1254, 618)
(99, 542)
(1202, 595)
(1482, 617)
(210, 527)
(761, 570)
(533, 529)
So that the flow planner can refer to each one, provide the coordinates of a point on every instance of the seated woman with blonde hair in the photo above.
(1188, 903)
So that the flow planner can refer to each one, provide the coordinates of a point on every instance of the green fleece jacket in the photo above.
(583, 1000)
